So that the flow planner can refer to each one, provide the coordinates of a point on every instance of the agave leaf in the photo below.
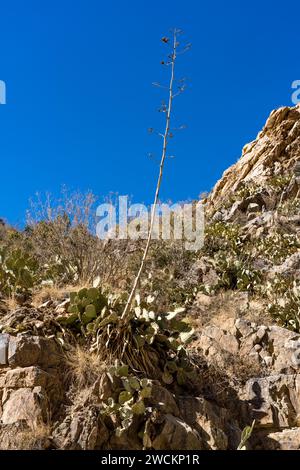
(100, 303)
(187, 336)
(174, 313)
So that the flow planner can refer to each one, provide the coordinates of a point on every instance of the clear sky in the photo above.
(79, 96)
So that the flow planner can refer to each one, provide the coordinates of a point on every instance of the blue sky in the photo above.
(79, 96)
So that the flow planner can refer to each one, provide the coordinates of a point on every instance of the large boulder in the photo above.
(273, 401)
(24, 351)
(30, 377)
(273, 346)
(175, 434)
(25, 404)
(287, 439)
(84, 430)
(215, 425)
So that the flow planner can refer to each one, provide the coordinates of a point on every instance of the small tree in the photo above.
(173, 91)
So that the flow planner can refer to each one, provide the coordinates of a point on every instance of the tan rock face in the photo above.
(273, 152)
(31, 377)
(24, 377)
(215, 425)
(288, 439)
(84, 431)
(274, 401)
(33, 350)
(27, 391)
(176, 435)
(24, 404)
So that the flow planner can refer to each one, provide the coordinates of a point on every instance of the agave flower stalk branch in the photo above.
(173, 56)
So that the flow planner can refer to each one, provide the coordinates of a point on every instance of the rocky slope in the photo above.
(245, 350)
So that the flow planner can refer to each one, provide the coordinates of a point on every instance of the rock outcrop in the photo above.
(273, 398)
(274, 152)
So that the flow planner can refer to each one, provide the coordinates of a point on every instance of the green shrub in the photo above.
(279, 182)
(235, 273)
(277, 247)
(222, 236)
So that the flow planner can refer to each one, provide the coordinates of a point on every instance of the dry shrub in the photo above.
(84, 367)
(11, 303)
(62, 235)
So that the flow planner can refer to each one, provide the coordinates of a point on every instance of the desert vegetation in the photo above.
(143, 344)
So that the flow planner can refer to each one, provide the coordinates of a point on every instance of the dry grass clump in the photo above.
(83, 367)
(11, 303)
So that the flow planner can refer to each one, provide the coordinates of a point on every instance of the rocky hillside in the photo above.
(213, 341)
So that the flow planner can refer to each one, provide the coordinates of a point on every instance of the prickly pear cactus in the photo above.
(85, 306)
(18, 271)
